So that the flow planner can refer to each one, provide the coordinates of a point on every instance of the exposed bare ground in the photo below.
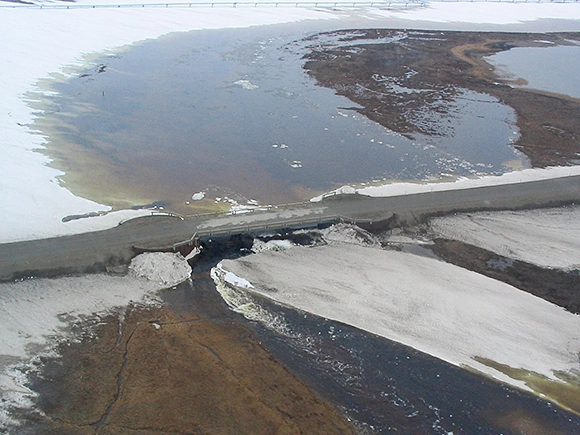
(437, 64)
(169, 373)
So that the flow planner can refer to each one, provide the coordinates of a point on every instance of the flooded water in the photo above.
(232, 114)
(550, 68)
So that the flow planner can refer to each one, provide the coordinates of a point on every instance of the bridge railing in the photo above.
(283, 224)
(231, 4)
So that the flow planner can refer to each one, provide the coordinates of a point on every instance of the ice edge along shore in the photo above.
(44, 43)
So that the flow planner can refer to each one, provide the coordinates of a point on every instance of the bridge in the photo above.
(95, 251)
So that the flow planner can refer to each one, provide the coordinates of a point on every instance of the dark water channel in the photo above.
(383, 386)
(232, 113)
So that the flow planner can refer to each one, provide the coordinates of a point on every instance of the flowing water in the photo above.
(381, 385)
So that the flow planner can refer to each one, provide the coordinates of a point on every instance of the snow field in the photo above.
(548, 238)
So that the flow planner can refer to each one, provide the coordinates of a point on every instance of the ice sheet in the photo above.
(548, 238)
(443, 310)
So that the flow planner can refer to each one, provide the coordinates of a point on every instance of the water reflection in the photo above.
(231, 113)
(551, 68)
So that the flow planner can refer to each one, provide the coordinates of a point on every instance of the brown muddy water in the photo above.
(232, 114)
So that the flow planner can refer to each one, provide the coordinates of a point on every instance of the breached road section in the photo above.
(456, 315)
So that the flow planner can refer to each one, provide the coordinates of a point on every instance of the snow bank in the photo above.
(39, 42)
(164, 268)
(547, 238)
(396, 189)
(443, 310)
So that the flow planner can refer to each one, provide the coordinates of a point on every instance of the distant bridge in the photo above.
(392, 4)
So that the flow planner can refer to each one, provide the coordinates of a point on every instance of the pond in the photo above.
(551, 68)
(229, 116)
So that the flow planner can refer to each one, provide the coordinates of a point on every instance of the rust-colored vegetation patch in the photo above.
(168, 373)
(409, 72)
(565, 391)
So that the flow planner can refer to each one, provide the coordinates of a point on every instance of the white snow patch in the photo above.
(546, 237)
(343, 190)
(271, 245)
(437, 308)
(351, 234)
(396, 189)
(194, 252)
(164, 268)
(231, 278)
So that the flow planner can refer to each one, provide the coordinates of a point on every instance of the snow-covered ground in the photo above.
(438, 308)
(396, 189)
(547, 237)
(38, 43)
(36, 314)
(41, 43)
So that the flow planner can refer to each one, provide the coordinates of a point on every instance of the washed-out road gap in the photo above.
(95, 251)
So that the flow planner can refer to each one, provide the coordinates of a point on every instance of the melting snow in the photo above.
(449, 312)
(548, 238)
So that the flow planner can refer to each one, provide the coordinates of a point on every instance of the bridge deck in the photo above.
(90, 252)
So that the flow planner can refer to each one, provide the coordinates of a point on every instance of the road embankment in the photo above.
(97, 251)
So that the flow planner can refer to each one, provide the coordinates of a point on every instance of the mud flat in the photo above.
(400, 78)
(158, 370)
